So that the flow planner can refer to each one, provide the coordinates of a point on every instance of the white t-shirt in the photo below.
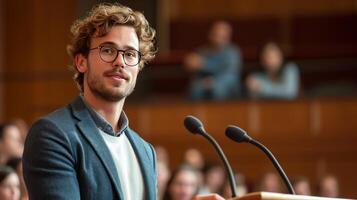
(130, 176)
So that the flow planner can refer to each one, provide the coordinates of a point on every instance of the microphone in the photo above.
(195, 126)
(239, 135)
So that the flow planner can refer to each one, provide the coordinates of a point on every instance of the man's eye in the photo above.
(131, 54)
(108, 50)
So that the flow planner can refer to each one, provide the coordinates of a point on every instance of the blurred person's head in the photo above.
(9, 184)
(11, 144)
(302, 186)
(271, 58)
(270, 182)
(16, 164)
(162, 155)
(329, 187)
(163, 175)
(23, 127)
(215, 178)
(194, 158)
(183, 184)
(220, 34)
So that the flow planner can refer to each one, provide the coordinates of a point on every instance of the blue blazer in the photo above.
(65, 157)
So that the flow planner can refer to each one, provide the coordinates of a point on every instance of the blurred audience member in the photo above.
(9, 184)
(163, 176)
(242, 187)
(279, 79)
(270, 183)
(23, 127)
(214, 179)
(183, 184)
(302, 186)
(215, 68)
(329, 187)
(162, 155)
(194, 158)
(16, 164)
(11, 144)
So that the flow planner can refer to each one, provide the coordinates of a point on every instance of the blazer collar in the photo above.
(146, 165)
(92, 134)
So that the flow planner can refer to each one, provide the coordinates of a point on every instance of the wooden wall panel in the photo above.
(36, 76)
(285, 118)
(339, 120)
(192, 9)
(2, 50)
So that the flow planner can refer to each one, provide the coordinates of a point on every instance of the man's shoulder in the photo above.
(59, 119)
(60, 116)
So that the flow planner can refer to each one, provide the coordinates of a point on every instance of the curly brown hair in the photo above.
(99, 22)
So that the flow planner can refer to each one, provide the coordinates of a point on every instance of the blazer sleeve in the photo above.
(49, 163)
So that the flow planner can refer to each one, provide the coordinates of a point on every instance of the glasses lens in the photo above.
(131, 57)
(108, 54)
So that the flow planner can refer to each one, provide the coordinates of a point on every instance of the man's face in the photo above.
(115, 80)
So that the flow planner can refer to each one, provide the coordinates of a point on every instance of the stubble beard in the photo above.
(97, 87)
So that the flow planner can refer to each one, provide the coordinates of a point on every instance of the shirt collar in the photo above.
(103, 124)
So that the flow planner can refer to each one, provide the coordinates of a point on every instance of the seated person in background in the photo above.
(302, 186)
(11, 144)
(16, 164)
(214, 179)
(163, 175)
(270, 182)
(9, 184)
(194, 158)
(215, 68)
(183, 184)
(328, 187)
(242, 188)
(162, 155)
(279, 79)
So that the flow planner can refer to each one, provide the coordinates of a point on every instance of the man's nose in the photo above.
(119, 61)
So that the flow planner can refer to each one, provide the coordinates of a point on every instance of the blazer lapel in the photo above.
(91, 133)
(146, 165)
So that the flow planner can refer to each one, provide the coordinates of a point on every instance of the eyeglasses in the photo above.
(108, 54)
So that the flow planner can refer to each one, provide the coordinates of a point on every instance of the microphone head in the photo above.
(193, 124)
(237, 134)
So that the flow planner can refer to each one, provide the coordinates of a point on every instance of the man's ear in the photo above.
(81, 63)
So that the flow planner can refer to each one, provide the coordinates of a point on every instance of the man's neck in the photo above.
(111, 111)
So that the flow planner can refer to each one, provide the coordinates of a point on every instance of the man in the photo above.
(215, 68)
(86, 150)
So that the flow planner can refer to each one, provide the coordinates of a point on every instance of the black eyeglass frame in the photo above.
(117, 53)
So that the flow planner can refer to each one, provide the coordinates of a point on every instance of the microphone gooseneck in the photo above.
(239, 135)
(195, 126)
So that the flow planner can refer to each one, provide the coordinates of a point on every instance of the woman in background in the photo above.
(9, 184)
(183, 184)
(279, 79)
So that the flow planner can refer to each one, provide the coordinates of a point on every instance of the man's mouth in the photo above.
(117, 75)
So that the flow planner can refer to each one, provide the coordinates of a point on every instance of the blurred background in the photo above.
(312, 132)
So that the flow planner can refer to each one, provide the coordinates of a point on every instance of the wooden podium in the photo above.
(278, 196)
